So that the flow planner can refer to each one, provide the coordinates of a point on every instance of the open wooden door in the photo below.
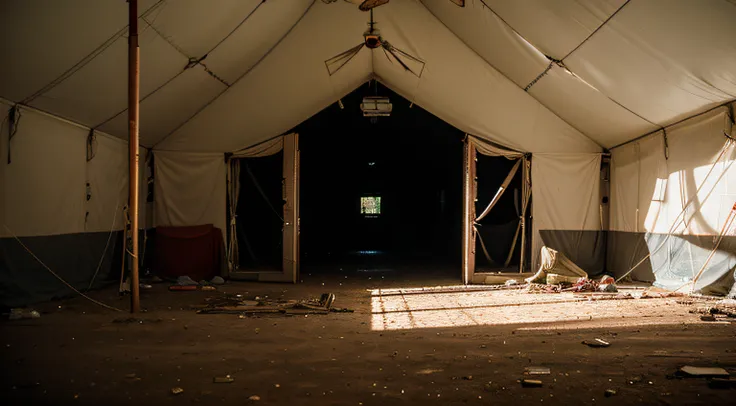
(290, 193)
(469, 192)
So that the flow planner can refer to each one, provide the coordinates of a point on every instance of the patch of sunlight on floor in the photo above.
(397, 309)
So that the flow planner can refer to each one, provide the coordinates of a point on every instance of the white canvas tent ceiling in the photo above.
(627, 67)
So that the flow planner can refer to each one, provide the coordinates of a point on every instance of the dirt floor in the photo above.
(400, 346)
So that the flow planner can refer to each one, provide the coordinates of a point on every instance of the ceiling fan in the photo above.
(363, 5)
(372, 39)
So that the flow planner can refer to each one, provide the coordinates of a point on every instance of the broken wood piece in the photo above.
(703, 372)
(310, 307)
(596, 343)
(531, 383)
(176, 288)
(537, 371)
(327, 299)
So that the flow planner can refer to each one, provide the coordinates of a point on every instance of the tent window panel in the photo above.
(370, 206)
(660, 189)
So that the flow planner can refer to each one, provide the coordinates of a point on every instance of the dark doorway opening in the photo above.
(259, 220)
(496, 232)
(384, 193)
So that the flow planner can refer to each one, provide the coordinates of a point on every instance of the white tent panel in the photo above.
(196, 26)
(555, 27)
(587, 109)
(650, 190)
(166, 109)
(566, 196)
(107, 175)
(696, 172)
(44, 188)
(44, 183)
(44, 38)
(255, 38)
(288, 86)
(462, 89)
(190, 189)
(99, 90)
(663, 59)
(638, 184)
(624, 186)
(485, 33)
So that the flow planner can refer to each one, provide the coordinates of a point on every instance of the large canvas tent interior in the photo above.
(545, 216)
(623, 110)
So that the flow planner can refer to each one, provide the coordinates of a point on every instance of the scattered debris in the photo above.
(326, 300)
(176, 288)
(537, 371)
(177, 391)
(254, 398)
(208, 288)
(610, 392)
(610, 288)
(511, 282)
(531, 383)
(596, 343)
(468, 378)
(703, 372)
(136, 320)
(428, 371)
(217, 280)
(186, 281)
(224, 379)
(654, 292)
(235, 304)
(556, 279)
(606, 280)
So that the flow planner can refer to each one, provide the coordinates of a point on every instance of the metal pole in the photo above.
(133, 113)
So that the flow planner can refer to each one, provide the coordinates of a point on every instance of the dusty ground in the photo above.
(397, 348)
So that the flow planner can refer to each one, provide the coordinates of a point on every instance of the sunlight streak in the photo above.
(397, 309)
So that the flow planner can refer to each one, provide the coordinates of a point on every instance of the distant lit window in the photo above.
(370, 205)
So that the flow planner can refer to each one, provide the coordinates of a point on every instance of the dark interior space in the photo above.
(260, 213)
(411, 161)
(498, 228)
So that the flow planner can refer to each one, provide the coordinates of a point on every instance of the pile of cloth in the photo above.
(558, 274)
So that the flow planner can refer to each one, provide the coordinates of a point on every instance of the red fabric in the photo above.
(195, 251)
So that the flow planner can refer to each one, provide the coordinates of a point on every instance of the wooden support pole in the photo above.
(133, 114)
(469, 192)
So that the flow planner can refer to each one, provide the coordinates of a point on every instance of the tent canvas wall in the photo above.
(63, 195)
(673, 199)
(560, 80)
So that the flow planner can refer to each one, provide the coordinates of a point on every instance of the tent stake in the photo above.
(133, 113)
